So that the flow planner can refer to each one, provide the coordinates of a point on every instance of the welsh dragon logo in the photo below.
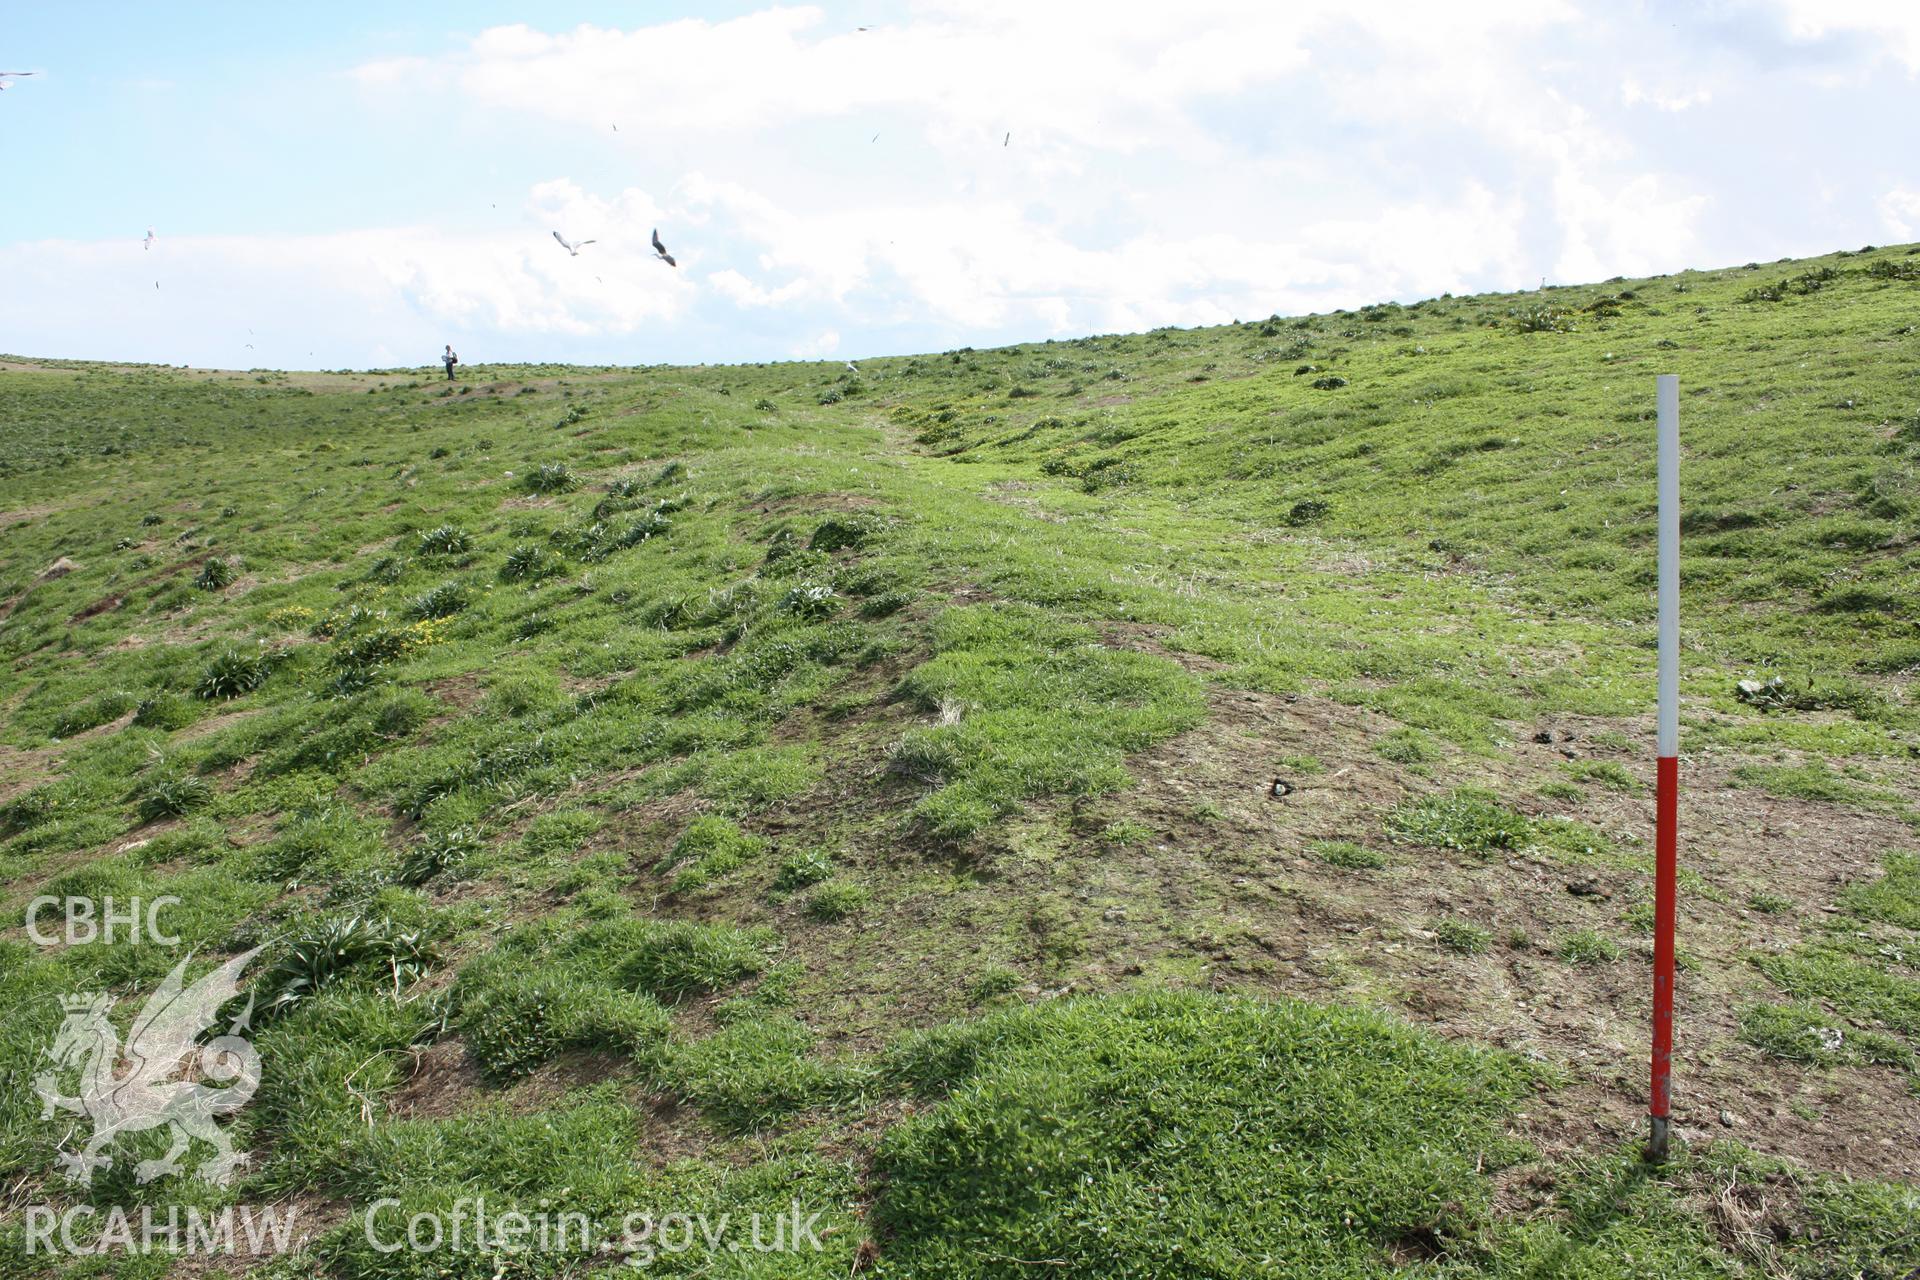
(154, 1081)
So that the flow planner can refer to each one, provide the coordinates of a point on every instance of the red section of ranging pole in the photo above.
(1666, 862)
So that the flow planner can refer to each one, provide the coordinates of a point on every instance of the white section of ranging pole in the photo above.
(1668, 568)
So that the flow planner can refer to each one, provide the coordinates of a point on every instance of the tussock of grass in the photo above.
(1352, 1131)
(513, 1019)
(1463, 936)
(1468, 820)
(709, 848)
(1057, 713)
(1589, 947)
(1894, 898)
(838, 900)
(756, 1072)
(1349, 855)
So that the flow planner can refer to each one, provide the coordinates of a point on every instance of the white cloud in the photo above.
(1632, 93)
(374, 291)
(1900, 211)
(1891, 26)
(992, 236)
(818, 346)
(1072, 69)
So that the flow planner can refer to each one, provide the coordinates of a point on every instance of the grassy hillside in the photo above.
(692, 790)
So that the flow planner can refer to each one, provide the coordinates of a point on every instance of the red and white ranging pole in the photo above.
(1667, 770)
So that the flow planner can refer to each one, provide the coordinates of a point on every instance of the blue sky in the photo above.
(352, 185)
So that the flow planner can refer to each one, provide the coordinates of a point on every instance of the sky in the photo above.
(355, 185)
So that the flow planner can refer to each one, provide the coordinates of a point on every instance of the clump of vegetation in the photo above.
(841, 533)
(95, 711)
(709, 848)
(1803, 1032)
(1605, 772)
(343, 949)
(233, 672)
(552, 477)
(530, 563)
(804, 867)
(1815, 780)
(837, 900)
(1050, 1080)
(885, 604)
(1792, 286)
(1588, 947)
(514, 1017)
(216, 575)
(438, 853)
(1058, 714)
(1463, 936)
(809, 600)
(164, 710)
(388, 570)
(754, 1073)
(445, 540)
(1468, 820)
(1540, 318)
(675, 959)
(1892, 899)
(170, 794)
(1348, 854)
(442, 601)
(993, 981)
(1308, 511)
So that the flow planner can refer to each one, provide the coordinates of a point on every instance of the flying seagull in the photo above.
(7, 77)
(660, 250)
(1009, 138)
(148, 242)
(852, 367)
(572, 248)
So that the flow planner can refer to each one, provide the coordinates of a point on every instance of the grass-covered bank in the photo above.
(689, 789)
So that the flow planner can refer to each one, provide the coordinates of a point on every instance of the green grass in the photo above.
(728, 733)
(1588, 948)
(1349, 855)
(1042, 709)
(1606, 773)
(1463, 936)
(1892, 899)
(1323, 1119)
(709, 848)
(1467, 820)
(838, 900)
(1815, 780)
(1854, 988)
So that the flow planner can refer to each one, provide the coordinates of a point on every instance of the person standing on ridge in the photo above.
(450, 360)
